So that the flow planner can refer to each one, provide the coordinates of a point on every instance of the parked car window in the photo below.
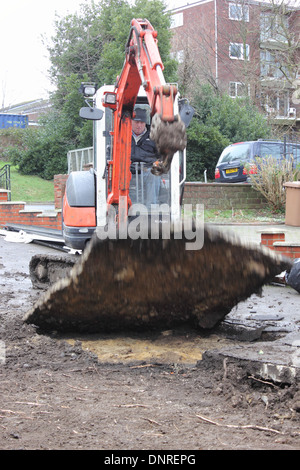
(271, 150)
(238, 152)
(293, 151)
(279, 151)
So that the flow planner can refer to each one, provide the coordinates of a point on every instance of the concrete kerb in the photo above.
(252, 232)
(278, 363)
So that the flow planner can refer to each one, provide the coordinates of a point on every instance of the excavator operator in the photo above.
(143, 154)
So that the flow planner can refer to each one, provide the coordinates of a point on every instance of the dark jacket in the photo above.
(144, 151)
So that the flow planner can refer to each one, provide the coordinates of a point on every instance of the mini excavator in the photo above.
(139, 268)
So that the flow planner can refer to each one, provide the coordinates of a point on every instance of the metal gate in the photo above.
(78, 158)
(5, 180)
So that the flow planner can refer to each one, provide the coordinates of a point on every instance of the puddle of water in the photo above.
(167, 348)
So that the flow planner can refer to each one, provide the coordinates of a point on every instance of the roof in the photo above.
(28, 107)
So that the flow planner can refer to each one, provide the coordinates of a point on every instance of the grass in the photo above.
(28, 188)
(264, 215)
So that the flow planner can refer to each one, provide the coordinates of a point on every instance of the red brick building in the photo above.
(243, 48)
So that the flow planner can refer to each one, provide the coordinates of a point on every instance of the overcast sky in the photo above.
(23, 58)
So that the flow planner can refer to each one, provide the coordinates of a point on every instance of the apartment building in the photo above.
(242, 48)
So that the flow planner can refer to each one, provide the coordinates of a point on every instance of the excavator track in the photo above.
(125, 284)
(45, 270)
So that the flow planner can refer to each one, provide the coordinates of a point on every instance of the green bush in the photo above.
(218, 121)
(43, 152)
(9, 138)
(205, 143)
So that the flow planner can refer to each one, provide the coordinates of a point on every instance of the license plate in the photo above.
(231, 170)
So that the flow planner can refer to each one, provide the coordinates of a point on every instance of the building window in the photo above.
(239, 51)
(238, 89)
(271, 66)
(177, 20)
(276, 104)
(178, 55)
(273, 27)
(238, 12)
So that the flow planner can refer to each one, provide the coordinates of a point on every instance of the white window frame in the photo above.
(177, 20)
(273, 105)
(178, 55)
(270, 65)
(241, 14)
(236, 86)
(272, 27)
(243, 48)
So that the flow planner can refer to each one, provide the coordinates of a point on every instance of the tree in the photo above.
(87, 46)
(75, 47)
(44, 149)
(205, 144)
(244, 49)
(92, 42)
(219, 120)
(279, 56)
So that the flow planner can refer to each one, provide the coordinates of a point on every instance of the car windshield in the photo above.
(235, 152)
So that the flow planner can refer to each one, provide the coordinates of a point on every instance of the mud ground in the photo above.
(133, 392)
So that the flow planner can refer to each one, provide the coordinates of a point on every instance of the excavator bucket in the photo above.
(144, 284)
(169, 137)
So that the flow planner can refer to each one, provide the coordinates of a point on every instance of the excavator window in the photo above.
(146, 188)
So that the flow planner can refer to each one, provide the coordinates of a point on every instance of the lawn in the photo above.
(264, 215)
(27, 188)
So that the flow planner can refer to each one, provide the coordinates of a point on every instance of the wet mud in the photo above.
(163, 391)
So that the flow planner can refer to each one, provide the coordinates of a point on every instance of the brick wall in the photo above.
(212, 195)
(276, 241)
(14, 213)
(3, 195)
(223, 196)
(59, 189)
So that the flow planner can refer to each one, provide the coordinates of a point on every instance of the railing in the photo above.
(5, 180)
(78, 158)
(291, 146)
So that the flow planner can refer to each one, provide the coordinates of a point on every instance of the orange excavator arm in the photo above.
(142, 66)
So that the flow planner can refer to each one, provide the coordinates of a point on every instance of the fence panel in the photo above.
(78, 158)
(5, 180)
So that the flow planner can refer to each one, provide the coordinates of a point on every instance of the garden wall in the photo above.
(14, 213)
(223, 196)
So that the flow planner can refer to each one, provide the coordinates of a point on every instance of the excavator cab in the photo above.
(85, 202)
